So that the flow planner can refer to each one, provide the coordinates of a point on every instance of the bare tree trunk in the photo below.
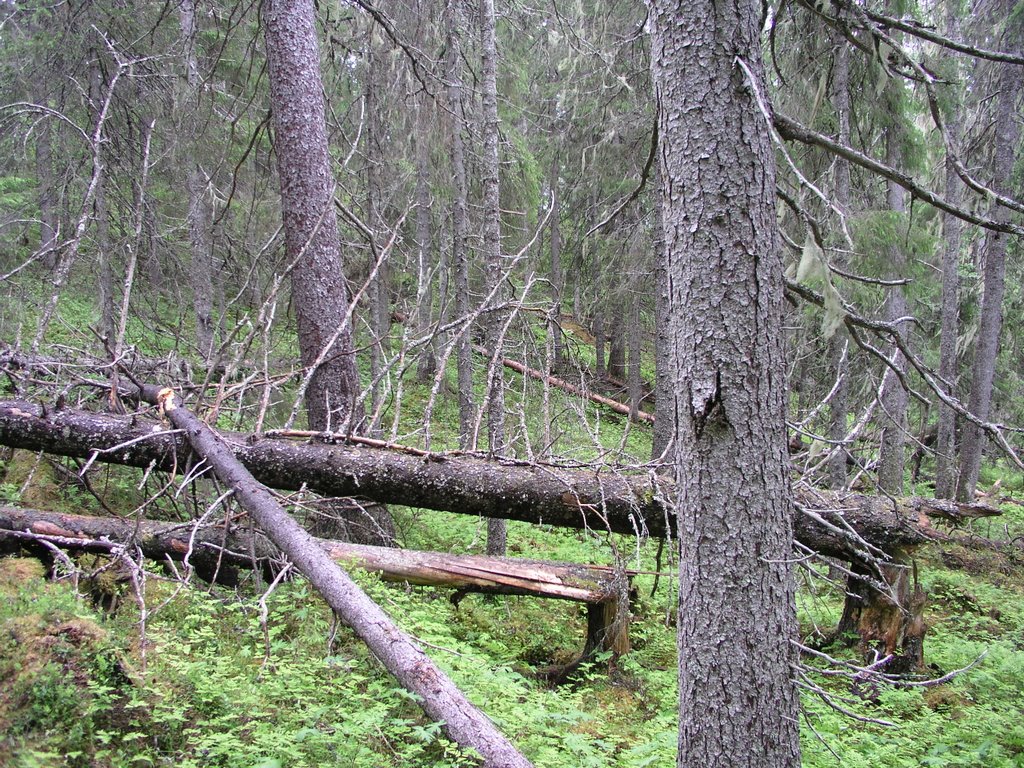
(839, 343)
(399, 654)
(952, 227)
(737, 612)
(44, 173)
(319, 290)
(633, 333)
(664, 404)
(377, 293)
(894, 397)
(617, 346)
(101, 212)
(426, 365)
(497, 532)
(557, 276)
(200, 213)
(460, 220)
(1006, 142)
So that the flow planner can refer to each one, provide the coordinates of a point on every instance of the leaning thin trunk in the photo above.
(399, 654)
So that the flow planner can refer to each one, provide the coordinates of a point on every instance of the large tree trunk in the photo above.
(319, 290)
(629, 504)
(1005, 146)
(436, 693)
(737, 611)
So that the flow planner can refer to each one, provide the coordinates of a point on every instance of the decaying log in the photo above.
(843, 527)
(437, 694)
(216, 548)
(885, 623)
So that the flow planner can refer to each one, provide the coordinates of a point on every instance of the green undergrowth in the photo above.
(214, 689)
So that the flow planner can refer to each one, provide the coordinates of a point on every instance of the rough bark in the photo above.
(1005, 145)
(436, 693)
(737, 613)
(319, 290)
(570, 498)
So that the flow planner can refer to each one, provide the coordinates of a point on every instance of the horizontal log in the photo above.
(631, 503)
(240, 546)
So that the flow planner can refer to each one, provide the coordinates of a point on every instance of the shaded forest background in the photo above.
(492, 210)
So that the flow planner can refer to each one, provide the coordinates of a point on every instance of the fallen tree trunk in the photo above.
(215, 550)
(437, 694)
(844, 527)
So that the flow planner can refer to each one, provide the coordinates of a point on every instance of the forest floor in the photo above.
(211, 676)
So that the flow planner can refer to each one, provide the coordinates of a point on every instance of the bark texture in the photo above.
(319, 291)
(737, 615)
(570, 498)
